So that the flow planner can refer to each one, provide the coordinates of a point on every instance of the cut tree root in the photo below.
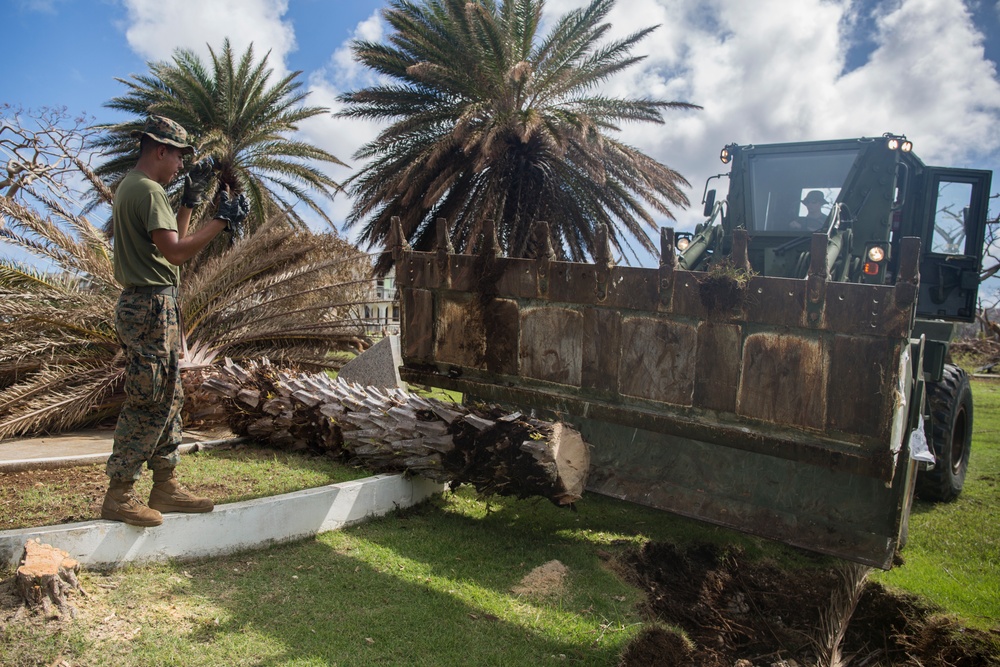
(46, 576)
(391, 430)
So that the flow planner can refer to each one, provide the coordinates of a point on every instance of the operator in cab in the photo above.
(814, 217)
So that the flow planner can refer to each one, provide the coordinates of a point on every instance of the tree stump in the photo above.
(391, 430)
(45, 577)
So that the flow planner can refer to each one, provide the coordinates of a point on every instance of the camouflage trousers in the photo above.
(149, 426)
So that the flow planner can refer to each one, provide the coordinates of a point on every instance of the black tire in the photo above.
(949, 435)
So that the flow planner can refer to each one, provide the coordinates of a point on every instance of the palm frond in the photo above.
(272, 287)
(58, 398)
(289, 294)
(490, 120)
(235, 113)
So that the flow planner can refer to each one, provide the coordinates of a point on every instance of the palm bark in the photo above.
(391, 430)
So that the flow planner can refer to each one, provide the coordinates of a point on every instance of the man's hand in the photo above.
(196, 183)
(233, 210)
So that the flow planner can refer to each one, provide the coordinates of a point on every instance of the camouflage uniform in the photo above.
(147, 321)
(149, 426)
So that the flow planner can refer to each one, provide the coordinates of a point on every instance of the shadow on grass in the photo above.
(433, 586)
(332, 467)
(352, 613)
(410, 589)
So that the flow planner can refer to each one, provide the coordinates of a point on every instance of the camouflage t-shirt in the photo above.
(140, 207)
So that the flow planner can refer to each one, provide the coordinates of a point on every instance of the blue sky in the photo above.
(69, 52)
(764, 70)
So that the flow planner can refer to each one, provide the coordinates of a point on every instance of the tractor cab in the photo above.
(865, 195)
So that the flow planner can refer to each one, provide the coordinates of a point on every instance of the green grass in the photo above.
(426, 586)
(429, 586)
(433, 585)
(225, 475)
(953, 554)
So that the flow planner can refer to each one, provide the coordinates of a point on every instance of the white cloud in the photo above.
(155, 29)
(342, 136)
(339, 136)
(764, 71)
(773, 70)
(930, 79)
(343, 70)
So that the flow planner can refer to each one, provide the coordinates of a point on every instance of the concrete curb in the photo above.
(229, 528)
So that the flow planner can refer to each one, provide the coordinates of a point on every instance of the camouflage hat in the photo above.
(166, 132)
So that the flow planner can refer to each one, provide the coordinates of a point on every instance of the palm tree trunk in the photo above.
(391, 430)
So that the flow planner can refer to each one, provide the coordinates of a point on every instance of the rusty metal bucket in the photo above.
(776, 406)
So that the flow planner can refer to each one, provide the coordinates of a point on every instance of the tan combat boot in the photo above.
(121, 504)
(168, 495)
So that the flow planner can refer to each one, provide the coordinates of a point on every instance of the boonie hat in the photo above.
(165, 131)
(815, 195)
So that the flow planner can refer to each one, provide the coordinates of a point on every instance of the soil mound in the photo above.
(736, 611)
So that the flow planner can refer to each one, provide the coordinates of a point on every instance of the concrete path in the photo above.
(229, 528)
(83, 448)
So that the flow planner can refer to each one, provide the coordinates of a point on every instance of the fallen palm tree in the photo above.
(391, 430)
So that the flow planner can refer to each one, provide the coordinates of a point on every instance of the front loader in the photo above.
(782, 372)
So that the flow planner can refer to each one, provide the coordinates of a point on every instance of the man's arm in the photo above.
(183, 220)
(178, 247)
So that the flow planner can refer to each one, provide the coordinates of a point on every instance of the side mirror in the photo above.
(709, 203)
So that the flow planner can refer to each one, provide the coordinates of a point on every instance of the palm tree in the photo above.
(232, 113)
(290, 295)
(491, 121)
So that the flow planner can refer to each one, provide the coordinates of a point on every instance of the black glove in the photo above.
(196, 183)
(233, 210)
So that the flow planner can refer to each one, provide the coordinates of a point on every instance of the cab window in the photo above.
(782, 186)
(951, 218)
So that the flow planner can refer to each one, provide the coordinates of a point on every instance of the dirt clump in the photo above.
(724, 287)
(658, 645)
(543, 581)
(732, 609)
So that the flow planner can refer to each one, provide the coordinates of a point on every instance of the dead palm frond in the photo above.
(282, 294)
(60, 361)
(835, 618)
(286, 294)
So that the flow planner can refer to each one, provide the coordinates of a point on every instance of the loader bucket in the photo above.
(774, 406)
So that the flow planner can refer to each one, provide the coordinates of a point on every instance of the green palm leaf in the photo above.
(490, 120)
(234, 113)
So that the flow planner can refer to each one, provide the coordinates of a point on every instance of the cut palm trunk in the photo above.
(391, 430)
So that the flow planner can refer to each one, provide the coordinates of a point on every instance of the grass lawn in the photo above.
(953, 554)
(439, 584)
(428, 586)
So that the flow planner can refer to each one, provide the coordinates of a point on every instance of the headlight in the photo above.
(683, 243)
(725, 155)
(876, 253)
(897, 142)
